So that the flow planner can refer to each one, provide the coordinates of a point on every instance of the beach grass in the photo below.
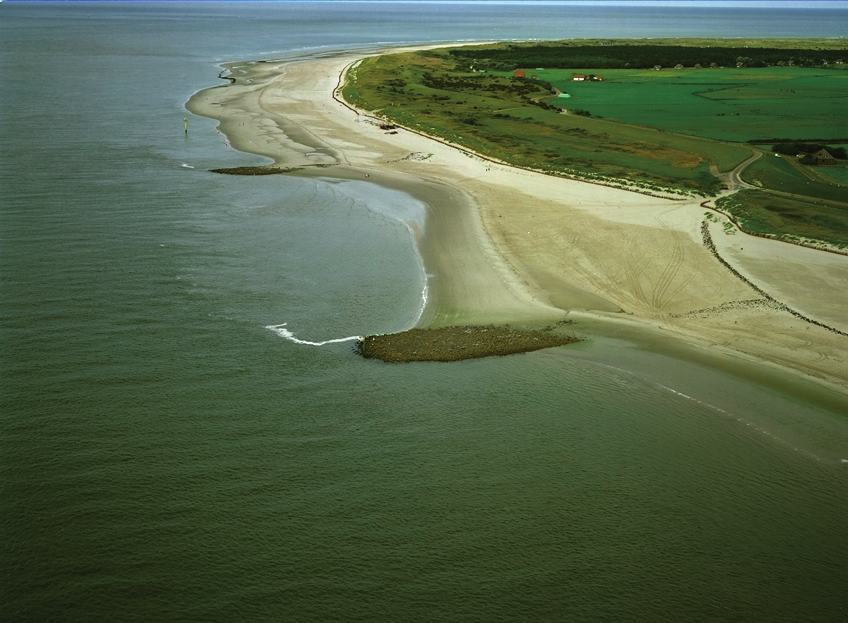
(766, 214)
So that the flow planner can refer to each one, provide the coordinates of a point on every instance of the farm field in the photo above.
(726, 104)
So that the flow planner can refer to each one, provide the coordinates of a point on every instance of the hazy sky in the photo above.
(835, 4)
(795, 4)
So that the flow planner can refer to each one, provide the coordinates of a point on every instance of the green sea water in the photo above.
(164, 456)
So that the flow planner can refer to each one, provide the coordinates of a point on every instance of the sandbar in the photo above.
(505, 245)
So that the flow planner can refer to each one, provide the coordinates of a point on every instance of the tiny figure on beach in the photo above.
(185, 124)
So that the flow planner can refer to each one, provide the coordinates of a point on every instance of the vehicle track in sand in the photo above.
(661, 296)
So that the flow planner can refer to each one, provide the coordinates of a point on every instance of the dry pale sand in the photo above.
(507, 245)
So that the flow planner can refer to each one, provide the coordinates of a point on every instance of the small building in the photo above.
(657, 67)
(678, 66)
(579, 77)
(823, 157)
(598, 78)
(697, 65)
(519, 73)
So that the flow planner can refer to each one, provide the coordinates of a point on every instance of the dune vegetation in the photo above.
(626, 123)
(775, 216)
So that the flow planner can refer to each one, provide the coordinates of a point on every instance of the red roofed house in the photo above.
(519, 73)
(579, 76)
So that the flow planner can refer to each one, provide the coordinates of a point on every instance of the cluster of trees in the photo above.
(794, 147)
(566, 56)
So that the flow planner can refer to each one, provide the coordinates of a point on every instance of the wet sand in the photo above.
(506, 245)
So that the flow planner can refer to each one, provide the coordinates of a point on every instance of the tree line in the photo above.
(640, 57)
(793, 148)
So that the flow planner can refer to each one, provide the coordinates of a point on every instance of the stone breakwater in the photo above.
(457, 343)
(708, 312)
(254, 170)
(767, 299)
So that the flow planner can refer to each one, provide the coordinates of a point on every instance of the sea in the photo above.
(169, 453)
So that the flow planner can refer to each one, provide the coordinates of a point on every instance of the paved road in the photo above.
(733, 179)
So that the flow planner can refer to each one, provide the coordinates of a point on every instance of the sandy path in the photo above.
(504, 244)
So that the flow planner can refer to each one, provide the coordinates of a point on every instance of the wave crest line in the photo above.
(282, 331)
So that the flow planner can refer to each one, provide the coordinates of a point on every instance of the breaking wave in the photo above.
(282, 331)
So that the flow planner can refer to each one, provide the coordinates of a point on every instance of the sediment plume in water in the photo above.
(457, 343)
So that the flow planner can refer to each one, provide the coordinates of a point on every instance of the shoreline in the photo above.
(506, 245)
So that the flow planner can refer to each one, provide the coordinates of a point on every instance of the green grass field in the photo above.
(763, 213)
(779, 174)
(837, 174)
(724, 104)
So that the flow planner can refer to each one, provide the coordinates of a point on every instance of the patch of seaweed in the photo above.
(457, 343)
(255, 170)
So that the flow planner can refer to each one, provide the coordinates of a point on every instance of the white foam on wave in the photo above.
(745, 422)
(425, 291)
(282, 331)
(187, 166)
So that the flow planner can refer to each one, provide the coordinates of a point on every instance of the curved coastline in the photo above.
(504, 245)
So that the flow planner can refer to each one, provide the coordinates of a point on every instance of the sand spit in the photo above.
(458, 343)
(505, 245)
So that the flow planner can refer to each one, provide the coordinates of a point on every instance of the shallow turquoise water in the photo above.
(164, 456)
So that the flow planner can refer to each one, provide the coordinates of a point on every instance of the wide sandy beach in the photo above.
(507, 245)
